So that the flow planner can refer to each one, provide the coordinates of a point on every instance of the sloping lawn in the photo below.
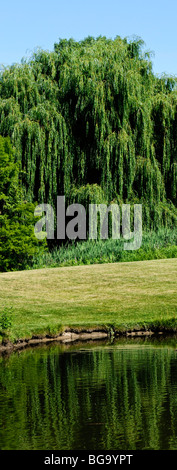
(122, 295)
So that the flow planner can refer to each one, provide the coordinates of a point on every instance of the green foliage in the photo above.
(18, 243)
(93, 113)
(155, 245)
(5, 319)
(89, 121)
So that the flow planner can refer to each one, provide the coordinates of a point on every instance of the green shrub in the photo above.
(5, 319)
(18, 243)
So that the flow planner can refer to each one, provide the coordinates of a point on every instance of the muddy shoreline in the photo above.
(71, 335)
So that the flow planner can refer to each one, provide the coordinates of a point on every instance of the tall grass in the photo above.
(155, 245)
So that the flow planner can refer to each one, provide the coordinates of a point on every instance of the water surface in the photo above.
(96, 396)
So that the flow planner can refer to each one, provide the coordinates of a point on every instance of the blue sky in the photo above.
(26, 25)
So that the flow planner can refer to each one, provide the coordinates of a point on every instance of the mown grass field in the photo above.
(123, 295)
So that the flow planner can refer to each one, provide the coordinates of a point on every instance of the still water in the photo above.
(94, 396)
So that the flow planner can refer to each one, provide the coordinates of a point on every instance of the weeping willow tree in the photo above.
(93, 113)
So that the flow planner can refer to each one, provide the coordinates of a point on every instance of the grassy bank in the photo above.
(120, 295)
(159, 244)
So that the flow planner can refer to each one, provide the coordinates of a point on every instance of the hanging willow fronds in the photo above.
(92, 112)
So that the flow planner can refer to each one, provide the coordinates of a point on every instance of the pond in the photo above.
(90, 396)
